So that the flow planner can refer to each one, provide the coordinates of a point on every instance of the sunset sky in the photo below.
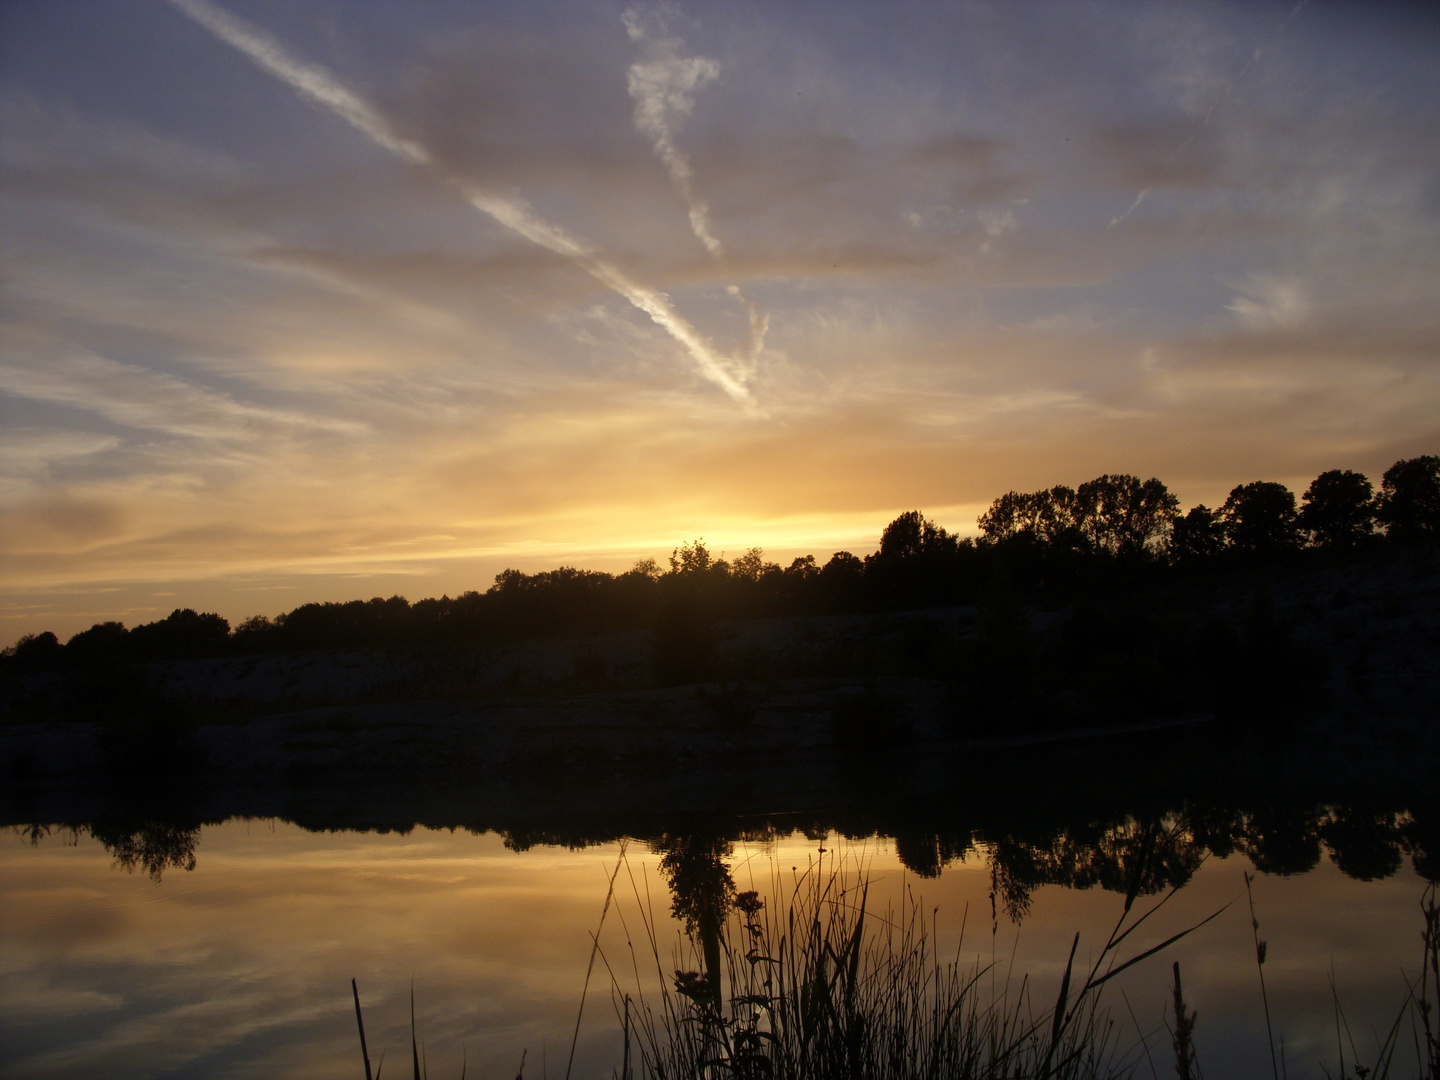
(324, 300)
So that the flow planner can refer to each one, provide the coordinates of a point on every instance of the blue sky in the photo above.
(323, 300)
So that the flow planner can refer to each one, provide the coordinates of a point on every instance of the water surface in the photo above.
(241, 966)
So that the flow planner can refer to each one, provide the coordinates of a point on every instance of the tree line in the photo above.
(1109, 529)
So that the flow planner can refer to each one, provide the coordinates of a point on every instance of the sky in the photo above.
(324, 300)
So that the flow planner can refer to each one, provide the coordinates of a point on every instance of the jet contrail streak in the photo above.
(663, 88)
(317, 84)
(1133, 207)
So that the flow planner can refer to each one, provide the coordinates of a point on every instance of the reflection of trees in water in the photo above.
(1364, 845)
(153, 846)
(701, 888)
(1154, 851)
(1281, 840)
(926, 854)
(1152, 855)
(1143, 857)
(36, 832)
(701, 891)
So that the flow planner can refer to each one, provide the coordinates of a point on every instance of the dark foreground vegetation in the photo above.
(827, 987)
(807, 976)
(819, 982)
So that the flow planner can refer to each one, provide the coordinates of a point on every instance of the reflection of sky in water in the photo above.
(243, 966)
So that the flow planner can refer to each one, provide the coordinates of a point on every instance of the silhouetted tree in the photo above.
(842, 580)
(750, 566)
(913, 534)
(36, 652)
(927, 853)
(1261, 517)
(644, 568)
(1338, 509)
(701, 891)
(1124, 515)
(1044, 517)
(105, 641)
(1410, 498)
(691, 558)
(184, 633)
(1199, 535)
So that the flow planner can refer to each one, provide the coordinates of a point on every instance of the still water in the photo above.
(241, 966)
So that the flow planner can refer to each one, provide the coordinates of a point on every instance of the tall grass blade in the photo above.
(414, 1048)
(1171, 940)
(1260, 952)
(360, 1023)
(590, 968)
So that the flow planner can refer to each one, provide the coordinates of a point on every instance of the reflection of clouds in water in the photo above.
(243, 966)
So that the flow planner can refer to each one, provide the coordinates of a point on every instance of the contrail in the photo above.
(1133, 207)
(1230, 86)
(317, 84)
(663, 87)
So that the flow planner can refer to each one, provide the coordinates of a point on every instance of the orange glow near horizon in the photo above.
(391, 304)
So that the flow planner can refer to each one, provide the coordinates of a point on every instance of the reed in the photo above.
(822, 987)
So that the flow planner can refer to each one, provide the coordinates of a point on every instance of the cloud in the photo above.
(320, 86)
(137, 397)
(1266, 300)
(304, 361)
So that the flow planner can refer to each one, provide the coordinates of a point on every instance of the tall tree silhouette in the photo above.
(1124, 515)
(1338, 509)
(1410, 498)
(1197, 536)
(1261, 517)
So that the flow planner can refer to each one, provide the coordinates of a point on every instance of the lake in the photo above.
(241, 965)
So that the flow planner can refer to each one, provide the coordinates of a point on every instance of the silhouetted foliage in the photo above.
(700, 883)
(1124, 515)
(1365, 845)
(1045, 518)
(1260, 517)
(1111, 536)
(1197, 537)
(37, 652)
(151, 846)
(1283, 841)
(103, 642)
(184, 633)
(1338, 509)
(912, 534)
(1410, 498)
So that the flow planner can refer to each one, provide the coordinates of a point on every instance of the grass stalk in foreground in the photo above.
(824, 987)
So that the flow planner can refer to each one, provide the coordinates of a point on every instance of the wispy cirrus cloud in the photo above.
(1268, 300)
(137, 397)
